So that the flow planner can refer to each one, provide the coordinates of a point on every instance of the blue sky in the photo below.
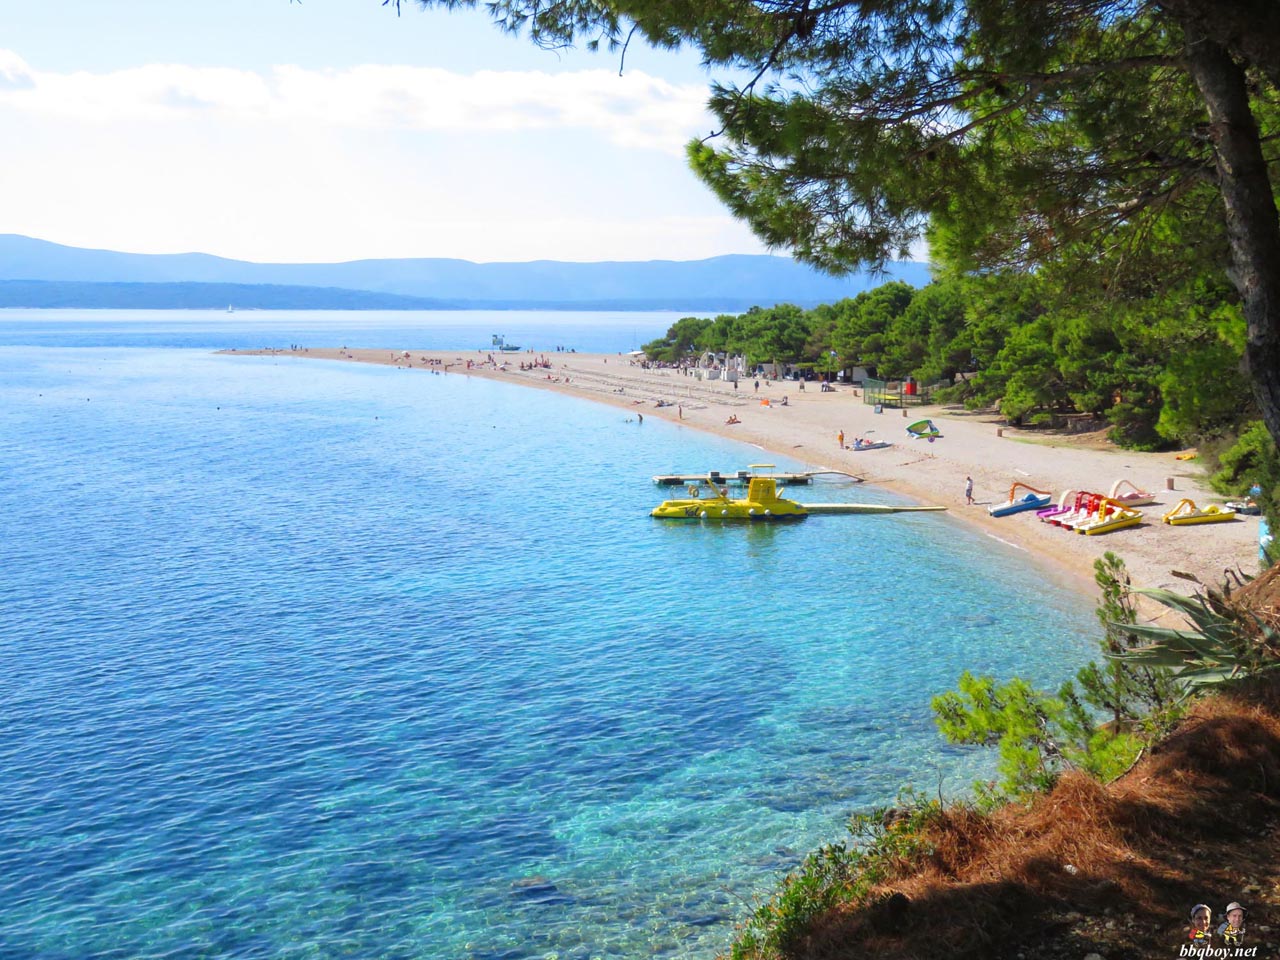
(333, 130)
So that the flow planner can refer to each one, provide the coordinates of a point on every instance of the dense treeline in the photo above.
(1161, 372)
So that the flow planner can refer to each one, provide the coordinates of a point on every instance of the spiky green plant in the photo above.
(1222, 642)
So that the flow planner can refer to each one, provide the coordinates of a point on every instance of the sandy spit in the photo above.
(975, 445)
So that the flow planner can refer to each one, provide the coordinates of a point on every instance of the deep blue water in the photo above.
(316, 660)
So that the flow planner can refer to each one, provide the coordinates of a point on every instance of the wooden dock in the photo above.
(862, 508)
(739, 478)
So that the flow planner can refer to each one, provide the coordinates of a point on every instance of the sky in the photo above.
(332, 130)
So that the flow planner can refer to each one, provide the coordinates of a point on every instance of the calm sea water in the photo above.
(586, 332)
(311, 660)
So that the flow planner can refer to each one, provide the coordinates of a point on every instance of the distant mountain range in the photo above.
(37, 273)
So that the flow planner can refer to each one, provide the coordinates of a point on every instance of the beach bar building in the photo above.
(900, 393)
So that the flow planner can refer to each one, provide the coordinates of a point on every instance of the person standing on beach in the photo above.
(840, 439)
(968, 490)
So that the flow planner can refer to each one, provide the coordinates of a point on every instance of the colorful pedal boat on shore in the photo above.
(1091, 513)
(1079, 510)
(1133, 497)
(1186, 512)
(1110, 515)
(1065, 504)
(1032, 500)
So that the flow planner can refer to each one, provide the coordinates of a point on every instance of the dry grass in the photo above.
(1260, 597)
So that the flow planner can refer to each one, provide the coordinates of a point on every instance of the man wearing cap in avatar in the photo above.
(1231, 930)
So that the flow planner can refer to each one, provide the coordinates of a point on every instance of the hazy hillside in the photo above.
(202, 296)
(729, 282)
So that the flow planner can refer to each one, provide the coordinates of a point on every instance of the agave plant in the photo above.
(1223, 641)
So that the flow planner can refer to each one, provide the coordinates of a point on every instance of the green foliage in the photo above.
(1038, 734)
(1220, 644)
(681, 340)
(1026, 369)
(1200, 380)
(864, 331)
(827, 877)
(881, 841)
(1136, 696)
(1022, 722)
(1251, 459)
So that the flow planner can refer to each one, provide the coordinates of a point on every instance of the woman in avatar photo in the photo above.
(1201, 917)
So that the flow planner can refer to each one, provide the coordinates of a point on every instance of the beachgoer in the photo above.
(840, 439)
(733, 418)
(640, 416)
(968, 490)
(1201, 916)
(680, 410)
(1231, 930)
(757, 386)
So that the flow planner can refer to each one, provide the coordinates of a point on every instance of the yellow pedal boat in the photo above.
(1186, 512)
(1111, 515)
(707, 501)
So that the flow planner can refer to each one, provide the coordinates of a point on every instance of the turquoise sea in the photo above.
(329, 660)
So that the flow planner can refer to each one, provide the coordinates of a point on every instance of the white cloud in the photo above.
(14, 72)
(634, 110)
(290, 164)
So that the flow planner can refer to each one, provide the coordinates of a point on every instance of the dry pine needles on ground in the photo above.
(1087, 868)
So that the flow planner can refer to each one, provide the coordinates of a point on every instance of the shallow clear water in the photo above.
(306, 659)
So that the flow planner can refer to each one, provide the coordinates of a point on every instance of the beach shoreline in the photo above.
(972, 445)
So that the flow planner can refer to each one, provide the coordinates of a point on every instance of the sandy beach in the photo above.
(976, 445)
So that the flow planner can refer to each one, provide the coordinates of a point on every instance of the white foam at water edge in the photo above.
(1007, 543)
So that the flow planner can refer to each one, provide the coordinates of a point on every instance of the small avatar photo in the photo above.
(1231, 930)
(1201, 920)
